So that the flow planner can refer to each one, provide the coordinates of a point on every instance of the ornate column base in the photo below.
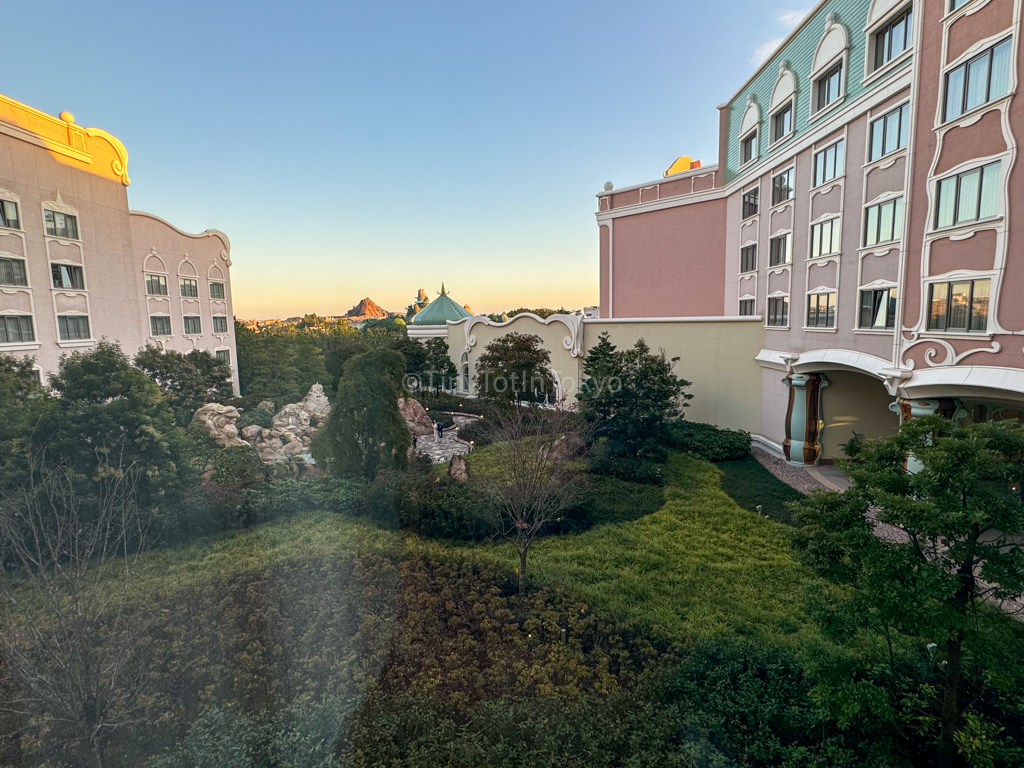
(803, 418)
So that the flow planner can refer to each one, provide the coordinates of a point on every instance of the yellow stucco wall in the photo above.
(854, 402)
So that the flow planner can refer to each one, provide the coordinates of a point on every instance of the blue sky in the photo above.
(371, 149)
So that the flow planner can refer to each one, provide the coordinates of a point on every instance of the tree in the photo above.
(534, 476)
(365, 431)
(962, 514)
(76, 652)
(515, 368)
(22, 403)
(278, 363)
(340, 343)
(187, 381)
(630, 396)
(439, 370)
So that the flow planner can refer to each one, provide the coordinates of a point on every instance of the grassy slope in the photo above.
(750, 485)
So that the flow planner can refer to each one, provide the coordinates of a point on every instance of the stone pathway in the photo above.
(441, 451)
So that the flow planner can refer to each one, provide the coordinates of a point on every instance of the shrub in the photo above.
(477, 432)
(256, 416)
(631, 468)
(708, 441)
(446, 509)
(446, 420)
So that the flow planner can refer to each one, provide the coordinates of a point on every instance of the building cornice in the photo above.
(206, 233)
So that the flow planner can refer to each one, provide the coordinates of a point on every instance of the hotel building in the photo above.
(858, 218)
(77, 265)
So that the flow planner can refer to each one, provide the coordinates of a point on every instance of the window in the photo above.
(12, 272)
(894, 38)
(778, 311)
(960, 306)
(883, 223)
(878, 309)
(968, 196)
(829, 163)
(954, 4)
(821, 310)
(748, 148)
(220, 324)
(890, 132)
(750, 199)
(16, 329)
(781, 250)
(9, 215)
(156, 285)
(224, 355)
(68, 276)
(193, 325)
(982, 79)
(828, 88)
(61, 225)
(216, 290)
(159, 325)
(782, 122)
(73, 327)
(189, 288)
(825, 238)
(782, 187)
(748, 307)
(748, 258)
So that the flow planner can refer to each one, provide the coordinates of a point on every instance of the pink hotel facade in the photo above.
(860, 215)
(77, 265)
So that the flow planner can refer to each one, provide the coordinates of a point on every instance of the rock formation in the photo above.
(416, 418)
(220, 422)
(367, 309)
(458, 469)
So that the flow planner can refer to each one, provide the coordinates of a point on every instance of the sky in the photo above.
(372, 149)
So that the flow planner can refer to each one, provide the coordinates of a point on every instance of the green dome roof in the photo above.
(440, 311)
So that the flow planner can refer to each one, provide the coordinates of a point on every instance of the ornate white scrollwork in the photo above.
(951, 358)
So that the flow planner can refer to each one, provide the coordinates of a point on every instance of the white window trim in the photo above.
(772, 141)
(757, 150)
(979, 47)
(20, 346)
(71, 343)
(958, 276)
(821, 68)
(767, 313)
(191, 335)
(831, 216)
(870, 75)
(771, 186)
(28, 276)
(820, 290)
(933, 231)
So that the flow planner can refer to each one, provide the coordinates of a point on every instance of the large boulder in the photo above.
(220, 422)
(252, 433)
(292, 418)
(458, 469)
(416, 418)
(316, 403)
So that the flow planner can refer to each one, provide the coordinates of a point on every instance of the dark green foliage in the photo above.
(476, 432)
(22, 404)
(187, 381)
(365, 432)
(751, 485)
(251, 416)
(515, 368)
(630, 396)
(708, 441)
(444, 401)
(446, 420)
(606, 499)
(635, 469)
(438, 369)
(278, 363)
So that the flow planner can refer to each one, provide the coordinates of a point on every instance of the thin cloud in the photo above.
(786, 19)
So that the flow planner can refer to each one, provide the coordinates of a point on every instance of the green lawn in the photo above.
(749, 484)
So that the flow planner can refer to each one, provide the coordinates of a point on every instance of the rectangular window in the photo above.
(16, 329)
(68, 276)
(748, 148)
(61, 225)
(821, 310)
(968, 196)
(9, 215)
(893, 39)
(750, 202)
(748, 307)
(984, 78)
(778, 312)
(193, 325)
(189, 288)
(782, 187)
(224, 355)
(828, 88)
(781, 250)
(216, 290)
(954, 4)
(829, 163)
(159, 325)
(883, 223)
(960, 307)
(748, 258)
(156, 285)
(12, 272)
(878, 309)
(782, 122)
(825, 238)
(220, 324)
(73, 327)
(890, 132)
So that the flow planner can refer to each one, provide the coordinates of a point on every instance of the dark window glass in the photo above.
(748, 258)
(890, 132)
(216, 290)
(821, 310)
(12, 272)
(73, 327)
(61, 225)
(781, 250)
(748, 307)
(193, 325)
(220, 324)
(778, 311)
(68, 276)
(156, 285)
(782, 122)
(189, 287)
(224, 355)
(750, 202)
(16, 329)
(829, 87)
(9, 215)
(748, 148)
(782, 187)
(954, 4)
(960, 306)
(159, 325)
(829, 163)
(878, 309)
(893, 39)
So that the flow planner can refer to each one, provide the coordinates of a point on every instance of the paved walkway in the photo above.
(441, 451)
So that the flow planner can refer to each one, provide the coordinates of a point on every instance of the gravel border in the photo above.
(794, 477)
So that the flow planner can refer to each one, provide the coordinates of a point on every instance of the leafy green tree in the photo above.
(187, 381)
(365, 432)
(961, 514)
(438, 367)
(630, 396)
(22, 403)
(340, 343)
(278, 363)
(515, 368)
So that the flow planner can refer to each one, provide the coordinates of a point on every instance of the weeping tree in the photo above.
(365, 432)
(960, 520)
(73, 650)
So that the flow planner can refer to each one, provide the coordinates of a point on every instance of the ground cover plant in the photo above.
(751, 486)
